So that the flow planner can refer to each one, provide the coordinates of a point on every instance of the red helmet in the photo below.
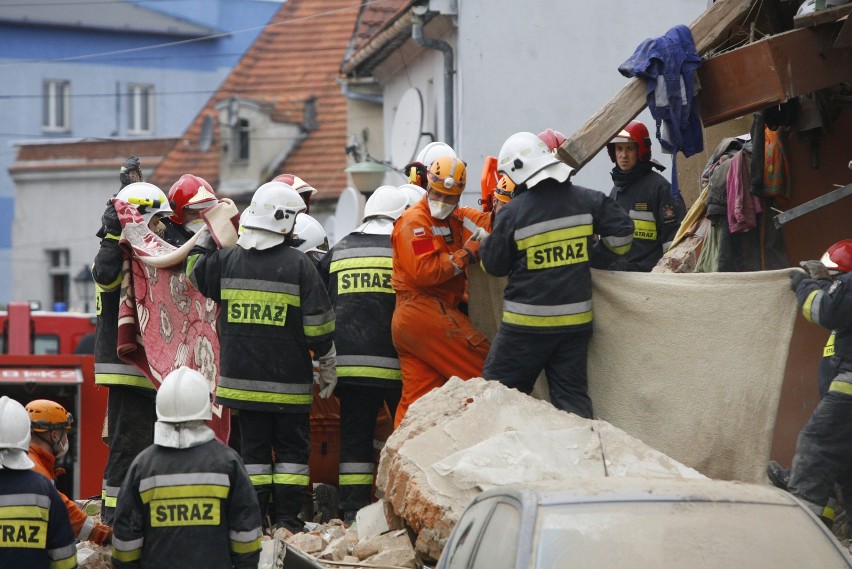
(838, 258)
(636, 132)
(552, 138)
(190, 190)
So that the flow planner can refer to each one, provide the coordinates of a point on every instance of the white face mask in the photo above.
(194, 226)
(441, 210)
(63, 447)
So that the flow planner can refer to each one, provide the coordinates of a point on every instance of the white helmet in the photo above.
(433, 151)
(14, 435)
(315, 237)
(274, 207)
(148, 199)
(387, 201)
(525, 158)
(184, 396)
(413, 192)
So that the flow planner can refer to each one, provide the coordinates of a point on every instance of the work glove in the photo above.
(795, 278)
(416, 173)
(100, 534)
(131, 171)
(479, 234)
(109, 220)
(327, 373)
(816, 270)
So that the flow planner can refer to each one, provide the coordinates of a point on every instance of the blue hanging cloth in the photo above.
(669, 63)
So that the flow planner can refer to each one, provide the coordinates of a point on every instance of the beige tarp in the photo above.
(691, 364)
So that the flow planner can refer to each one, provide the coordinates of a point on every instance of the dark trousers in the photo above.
(288, 435)
(131, 414)
(359, 407)
(823, 452)
(516, 358)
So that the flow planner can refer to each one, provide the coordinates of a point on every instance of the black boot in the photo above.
(780, 477)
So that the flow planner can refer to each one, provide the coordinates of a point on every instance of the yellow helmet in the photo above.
(504, 189)
(46, 415)
(447, 175)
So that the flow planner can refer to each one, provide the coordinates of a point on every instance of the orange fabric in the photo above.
(44, 463)
(425, 262)
(434, 341)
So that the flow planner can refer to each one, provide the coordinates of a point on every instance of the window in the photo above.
(60, 276)
(241, 140)
(56, 101)
(141, 109)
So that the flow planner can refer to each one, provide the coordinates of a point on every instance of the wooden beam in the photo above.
(590, 138)
(822, 16)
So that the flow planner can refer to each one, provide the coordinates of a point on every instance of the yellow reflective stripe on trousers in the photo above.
(264, 397)
(260, 479)
(291, 479)
(828, 350)
(841, 387)
(354, 479)
(808, 306)
(127, 556)
(367, 371)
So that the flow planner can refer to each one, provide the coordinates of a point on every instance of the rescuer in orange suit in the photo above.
(434, 241)
(49, 426)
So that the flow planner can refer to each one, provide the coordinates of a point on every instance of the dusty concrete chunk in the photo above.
(469, 436)
(394, 558)
(364, 550)
(306, 542)
(371, 520)
(93, 556)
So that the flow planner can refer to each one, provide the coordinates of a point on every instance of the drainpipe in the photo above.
(350, 93)
(417, 14)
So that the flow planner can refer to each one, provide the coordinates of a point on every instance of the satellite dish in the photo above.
(205, 140)
(407, 127)
(349, 211)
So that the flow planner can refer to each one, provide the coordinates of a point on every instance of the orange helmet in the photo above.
(838, 258)
(504, 190)
(447, 175)
(47, 415)
(636, 132)
(190, 191)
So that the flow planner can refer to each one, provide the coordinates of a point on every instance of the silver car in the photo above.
(641, 523)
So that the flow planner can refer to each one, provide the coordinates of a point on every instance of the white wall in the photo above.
(527, 66)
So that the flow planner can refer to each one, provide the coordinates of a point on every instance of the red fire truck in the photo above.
(49, 355)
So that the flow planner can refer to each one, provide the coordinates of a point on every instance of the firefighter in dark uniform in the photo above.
(274, 310)
(35, 532)
(358, 273)
(646, 196)
(130, 406)
(824, 448)
(541, 240)
(187, 500)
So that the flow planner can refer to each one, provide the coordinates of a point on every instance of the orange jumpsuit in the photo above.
(85, 528)
(434, 339)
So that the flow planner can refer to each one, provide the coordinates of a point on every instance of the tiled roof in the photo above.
(295, 58)
(374, 18)
(89, 153)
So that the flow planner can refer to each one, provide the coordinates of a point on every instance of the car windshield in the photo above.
(706, 535)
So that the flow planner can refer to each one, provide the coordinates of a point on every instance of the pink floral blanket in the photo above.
(164, 323)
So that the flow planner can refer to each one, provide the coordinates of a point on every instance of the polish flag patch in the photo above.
(419, 232)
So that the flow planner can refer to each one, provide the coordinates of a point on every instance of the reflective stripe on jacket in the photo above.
(192, 507)
(274, 308)
(36, 533)
(542, 240)
(357, 272)
(829, 304)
